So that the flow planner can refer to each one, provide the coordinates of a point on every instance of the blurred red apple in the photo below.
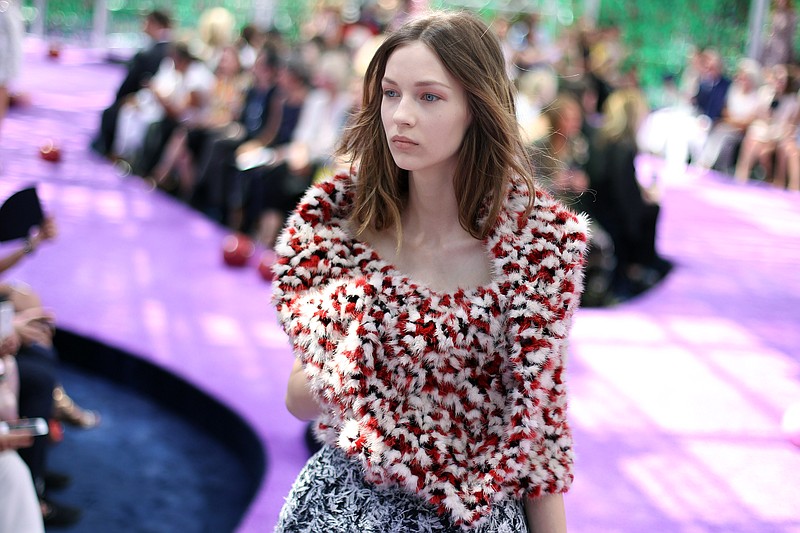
(237, 249)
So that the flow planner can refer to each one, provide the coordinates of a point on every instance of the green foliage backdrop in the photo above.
(659, 34)
(73, 19)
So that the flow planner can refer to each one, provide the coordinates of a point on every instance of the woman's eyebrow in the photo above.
(421, 83)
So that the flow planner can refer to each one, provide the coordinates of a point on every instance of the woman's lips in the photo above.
(403, 142)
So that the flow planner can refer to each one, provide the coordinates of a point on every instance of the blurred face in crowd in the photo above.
(229, 64)
(424, 111)
(745, 81)
(263, 73)
(570, 120)
(712, 65)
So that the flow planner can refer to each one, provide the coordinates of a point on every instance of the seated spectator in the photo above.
(713, 87)
(536, 90)
(177, 164)
(250, 41)
(141, 68)
(775, 123)
(19, 507)
(217, 165)
(741, 109)
(709, 102)
(787, 160)
(678, 130)
(177, 93)
(622, 207)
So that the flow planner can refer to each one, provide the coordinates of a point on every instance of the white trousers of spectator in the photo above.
(19, 506)
(133, 121)
(674, 133)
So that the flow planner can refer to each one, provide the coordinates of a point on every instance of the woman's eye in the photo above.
(390, 93)
(428, 97)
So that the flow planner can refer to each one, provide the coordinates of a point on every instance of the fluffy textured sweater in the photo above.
(456, 396)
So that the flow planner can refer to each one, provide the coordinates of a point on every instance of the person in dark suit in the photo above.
(141, 68)
(713, 88)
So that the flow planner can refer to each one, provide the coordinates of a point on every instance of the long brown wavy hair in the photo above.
(492, 152)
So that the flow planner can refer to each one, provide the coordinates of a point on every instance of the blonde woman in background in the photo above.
(623, 207)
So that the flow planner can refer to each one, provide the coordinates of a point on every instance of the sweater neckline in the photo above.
(381, 266)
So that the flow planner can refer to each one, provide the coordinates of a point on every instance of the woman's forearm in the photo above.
(299, 400)
(546, 514)
(12, 259)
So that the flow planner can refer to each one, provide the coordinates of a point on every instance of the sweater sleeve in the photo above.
(306, 259)
(541, 306)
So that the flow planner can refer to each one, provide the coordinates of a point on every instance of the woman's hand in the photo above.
(249, 146)
(10, 345)
(47, 232)
(34, 326)
(15, 442)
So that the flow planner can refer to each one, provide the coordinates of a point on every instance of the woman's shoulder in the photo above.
(547, 218)
(320, 216)
(328, 199)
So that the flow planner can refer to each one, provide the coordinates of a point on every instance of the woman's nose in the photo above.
(404, 113)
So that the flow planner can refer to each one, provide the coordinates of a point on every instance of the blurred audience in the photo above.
(247, 190)
(294, 165)
(40, 394)
(243, 144)
(216, 169)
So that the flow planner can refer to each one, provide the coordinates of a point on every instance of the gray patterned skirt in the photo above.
(331, 496)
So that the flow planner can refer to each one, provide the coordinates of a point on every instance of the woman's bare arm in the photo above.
(546, 514)
(299, 400)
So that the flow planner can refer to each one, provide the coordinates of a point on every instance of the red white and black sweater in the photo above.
(458, 397)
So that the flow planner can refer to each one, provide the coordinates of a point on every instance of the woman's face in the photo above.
(424, 111)
(745, 81)
(571, 120)
(228, 62)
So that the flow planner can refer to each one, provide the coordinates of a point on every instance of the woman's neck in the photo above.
(431, 212)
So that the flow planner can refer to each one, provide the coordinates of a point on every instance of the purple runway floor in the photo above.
(678, 397)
